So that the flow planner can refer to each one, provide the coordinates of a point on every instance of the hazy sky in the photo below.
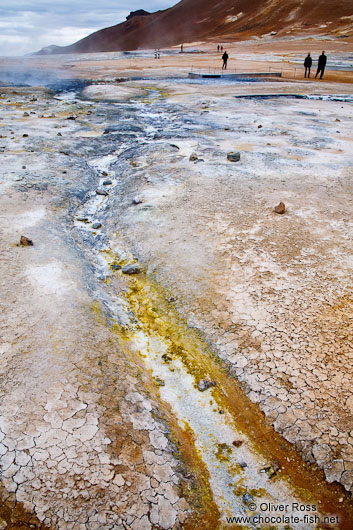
(28, 25)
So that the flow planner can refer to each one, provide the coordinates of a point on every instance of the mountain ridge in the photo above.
(226, 20)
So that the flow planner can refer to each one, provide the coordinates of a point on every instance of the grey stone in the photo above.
(134, 268)
(204, 385)
(101, 192)
(137, 200)
(247, 497)
(193, 157)
(233, 156)
(107, 182)
(96, 225)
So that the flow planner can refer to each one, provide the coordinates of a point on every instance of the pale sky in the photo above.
(28, 25)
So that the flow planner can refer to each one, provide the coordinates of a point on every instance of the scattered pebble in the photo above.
(116, 267)
(280, 208)
(193, 157)
(204, 384)
(233, 156)
(247, 497)
(107, 182)
(137, 200)
(25, 242)
(101, 192)
(134, 268)
(95, 226)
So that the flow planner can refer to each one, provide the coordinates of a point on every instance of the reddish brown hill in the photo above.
(192, 20)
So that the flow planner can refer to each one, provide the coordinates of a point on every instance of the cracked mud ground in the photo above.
(100, 412)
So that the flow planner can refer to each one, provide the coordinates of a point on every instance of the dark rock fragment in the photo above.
(25, 242)
(134, 268)
(204, 384)
(101, 192)
(233, 156)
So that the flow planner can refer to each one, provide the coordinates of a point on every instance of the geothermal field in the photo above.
(175, 353)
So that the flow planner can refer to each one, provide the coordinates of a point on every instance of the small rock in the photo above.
(247, 497)
(337, 119)
(133, 163)
(237, 443)
(243, 464)
(107, 182)
(227, 128)
(23, 167)
(271, 470)
(221, 411)
(134, 268)
(59, 134)
(193, 157)
(259, 126)
(204, 384)
(99, 363)
(159, 381)
(73, 117)
(115, 267)
(280, 208)
(25, 242)
(104, 174)
(25, 135)
(137, 200)
(233, 156)
(171, 299)
(101, 192)
(95, 226)
(25, 114)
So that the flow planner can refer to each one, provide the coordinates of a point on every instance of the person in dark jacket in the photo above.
(321, 65)
(307, 64)
(225, 58)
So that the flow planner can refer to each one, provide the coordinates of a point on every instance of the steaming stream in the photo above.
(238, 477)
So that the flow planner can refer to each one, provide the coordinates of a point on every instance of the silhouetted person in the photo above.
(218, 48)
(221, 48)
(225, 58)
(321, 65)
(307, 64)
(182, 48)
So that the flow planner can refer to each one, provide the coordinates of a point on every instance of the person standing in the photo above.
(225, 58)
(307, 64)
(218, 48)
(321, 65)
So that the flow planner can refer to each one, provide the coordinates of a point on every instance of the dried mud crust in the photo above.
(84, 444)
(62, 420)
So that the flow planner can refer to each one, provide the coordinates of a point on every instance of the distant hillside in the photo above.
(226, 20)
